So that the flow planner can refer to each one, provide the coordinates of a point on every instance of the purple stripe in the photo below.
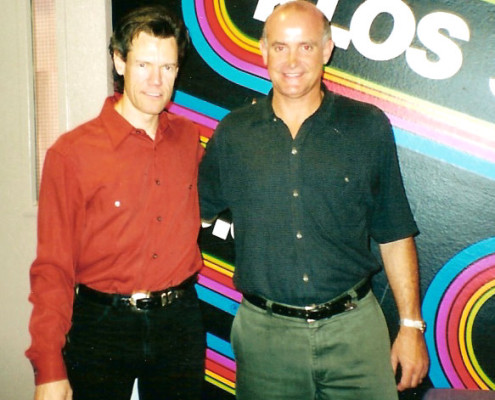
(220, 50)
(222, 360)
(446, 306)
(193, 116)
(218, 287)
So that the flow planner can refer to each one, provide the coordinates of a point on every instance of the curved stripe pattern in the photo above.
(451, 304)
(236, 57)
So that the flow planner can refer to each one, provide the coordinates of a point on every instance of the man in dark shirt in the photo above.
(112, 285)
(310, 178)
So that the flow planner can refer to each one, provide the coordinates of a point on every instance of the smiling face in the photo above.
(294, 51)
(149, 76)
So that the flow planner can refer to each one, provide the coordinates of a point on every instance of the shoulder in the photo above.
(74, 139)
(354, 108)
(244, 118)
(179, 121)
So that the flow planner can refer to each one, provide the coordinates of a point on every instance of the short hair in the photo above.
(155, 20)
(296, 4)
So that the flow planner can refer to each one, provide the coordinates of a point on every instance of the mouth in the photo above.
(153, 94)
(292, 75)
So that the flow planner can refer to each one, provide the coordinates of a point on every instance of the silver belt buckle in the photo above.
(166, 297)
(138, 296)
(310, 308)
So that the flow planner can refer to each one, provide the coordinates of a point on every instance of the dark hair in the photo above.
(155, 20)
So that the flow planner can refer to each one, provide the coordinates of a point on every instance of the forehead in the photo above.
(144, 43)
(290, 24)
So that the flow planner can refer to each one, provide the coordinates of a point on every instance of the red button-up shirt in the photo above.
(117, 212)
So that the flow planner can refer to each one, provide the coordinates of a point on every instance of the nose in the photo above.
(156, 75)
(292, 58)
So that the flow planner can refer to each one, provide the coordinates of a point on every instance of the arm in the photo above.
(409, 348)
(52, 272)
(58, 390)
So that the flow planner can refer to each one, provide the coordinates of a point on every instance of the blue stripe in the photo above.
(213, 60)
(442, 152)
(209, 109)
(217, 300)
(219, 345)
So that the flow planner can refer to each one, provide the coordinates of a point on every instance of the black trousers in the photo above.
(109, 347)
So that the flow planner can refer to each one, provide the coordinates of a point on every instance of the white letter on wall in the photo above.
(400, 38)
(449, 54)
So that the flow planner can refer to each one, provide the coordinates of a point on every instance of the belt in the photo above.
(316, 311)
(138, 300)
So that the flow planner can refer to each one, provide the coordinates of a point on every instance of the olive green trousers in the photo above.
(345, 357)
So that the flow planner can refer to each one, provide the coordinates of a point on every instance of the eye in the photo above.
(142, 65)
(307, 47)
(169, 68)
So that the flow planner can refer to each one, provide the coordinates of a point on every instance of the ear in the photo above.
(119, 63)
(327, 50)
(264, 51)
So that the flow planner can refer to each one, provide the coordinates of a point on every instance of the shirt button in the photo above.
(294, 151)
(299, 235)
(157, 181)
(159, 219)
(295, 193)
(154, 256)
(306, 278)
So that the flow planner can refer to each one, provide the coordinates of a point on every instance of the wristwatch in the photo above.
(411, 323)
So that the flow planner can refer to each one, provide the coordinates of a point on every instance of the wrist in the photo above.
(418, 324)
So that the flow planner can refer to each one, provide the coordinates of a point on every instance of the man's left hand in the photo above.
(409, 351)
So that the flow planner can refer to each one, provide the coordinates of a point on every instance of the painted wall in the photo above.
(83, 82)
(430, 65)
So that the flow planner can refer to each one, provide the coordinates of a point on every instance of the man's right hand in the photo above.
(58, 390)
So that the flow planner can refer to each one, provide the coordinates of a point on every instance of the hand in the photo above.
(58, 390)
(409, 350)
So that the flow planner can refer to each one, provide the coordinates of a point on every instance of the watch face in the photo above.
(418, 324)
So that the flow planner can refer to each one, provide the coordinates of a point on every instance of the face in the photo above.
(149, 76)
(294, 52)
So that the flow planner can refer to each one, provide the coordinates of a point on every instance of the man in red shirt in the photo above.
(112, 285)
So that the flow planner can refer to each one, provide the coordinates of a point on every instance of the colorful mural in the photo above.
(431, 67)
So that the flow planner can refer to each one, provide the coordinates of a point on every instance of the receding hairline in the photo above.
(299, 5)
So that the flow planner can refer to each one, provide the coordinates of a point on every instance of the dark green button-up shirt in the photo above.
(304, 209)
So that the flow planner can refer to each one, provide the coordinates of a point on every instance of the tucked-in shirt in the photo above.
(119, 213)
(305, 210)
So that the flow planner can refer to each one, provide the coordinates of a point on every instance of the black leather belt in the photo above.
(138, 300)
(313, 312)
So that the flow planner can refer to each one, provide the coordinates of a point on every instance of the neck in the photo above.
(295, 111)
(148, 123)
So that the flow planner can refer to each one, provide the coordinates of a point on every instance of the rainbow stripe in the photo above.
(455, 137)
(216, 288)
(452, 302)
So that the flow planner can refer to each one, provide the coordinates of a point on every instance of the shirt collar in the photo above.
(118, 128)
(267, 113)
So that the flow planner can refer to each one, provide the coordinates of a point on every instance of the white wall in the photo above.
(83, 30)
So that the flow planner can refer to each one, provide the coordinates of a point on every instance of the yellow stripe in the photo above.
(228, 27)
(220, 385)
(463, 322)
(465, 121)
(470, 322)
(218, 262)
(233, 32)
(218, 269)
(220, 378)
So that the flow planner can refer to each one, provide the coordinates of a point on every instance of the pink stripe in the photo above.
(219, 359)
(220, 50)
(443, 314)
(193, 116)
(457, 139)
(217, 287)
(446, 138)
